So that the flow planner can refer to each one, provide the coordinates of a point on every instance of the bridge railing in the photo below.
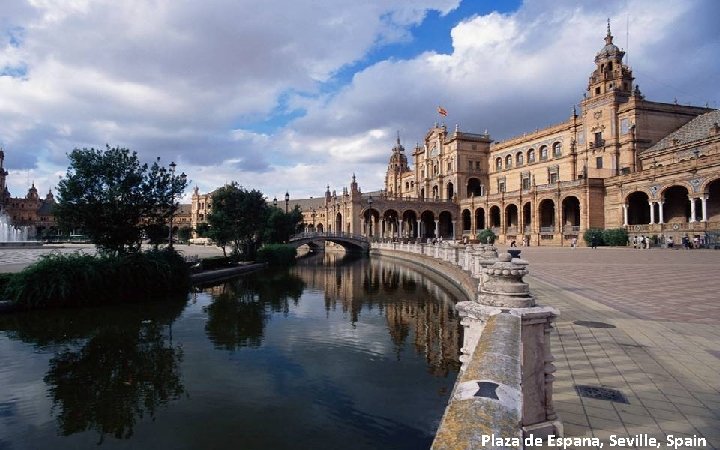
(315, 234)
(514, 344)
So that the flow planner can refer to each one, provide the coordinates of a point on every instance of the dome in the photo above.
(610, 50)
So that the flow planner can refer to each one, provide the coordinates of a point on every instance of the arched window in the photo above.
(543, 152)
(508, 161)
(519, 159)
(557, 149)
(498, 164)
(531, 155)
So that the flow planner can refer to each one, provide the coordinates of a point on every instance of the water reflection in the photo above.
(415, 307)
(240, 309)
(105, 374)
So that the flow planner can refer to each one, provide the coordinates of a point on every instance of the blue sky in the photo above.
(297, 94)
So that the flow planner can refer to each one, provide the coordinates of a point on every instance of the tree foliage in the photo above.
(280, 225)
(107, 194)
(486, 236)
(237, 219)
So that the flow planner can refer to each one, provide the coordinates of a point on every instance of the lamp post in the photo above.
(172, 199)
(274, 202)
(287, 200)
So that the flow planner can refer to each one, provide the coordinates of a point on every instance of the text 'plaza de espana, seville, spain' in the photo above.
(619, 161)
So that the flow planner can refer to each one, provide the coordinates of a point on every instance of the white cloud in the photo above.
(187, 80)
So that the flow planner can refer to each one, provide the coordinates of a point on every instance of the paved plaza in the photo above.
(662, 353)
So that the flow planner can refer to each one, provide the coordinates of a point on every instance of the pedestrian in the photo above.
(512, 243)
(635, 241)
(696, 242)
(573, 243)
(670, 242)
(593, 241)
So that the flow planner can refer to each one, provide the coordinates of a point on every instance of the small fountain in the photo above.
(12, 236)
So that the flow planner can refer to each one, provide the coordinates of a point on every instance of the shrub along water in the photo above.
(277, 254)
(80, 280)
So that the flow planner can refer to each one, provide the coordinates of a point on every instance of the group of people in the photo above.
(643, 241)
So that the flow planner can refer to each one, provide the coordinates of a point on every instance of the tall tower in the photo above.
(397, 166)
(610, 74)
(4, 193)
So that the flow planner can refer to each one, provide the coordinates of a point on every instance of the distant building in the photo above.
(31, 210)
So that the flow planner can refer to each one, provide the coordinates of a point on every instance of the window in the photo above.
(599, 162)
(553, 177)
(508, 161)
(526, 184)
(599, 140)
(519, 158)
(498, 164)
(449, 166)
(531, 155)
(581, 136)
(543, 153)
(470, 165)
(477, 165)
(501, 185)
(557, 149)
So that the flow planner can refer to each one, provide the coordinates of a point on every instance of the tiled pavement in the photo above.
(663, 354)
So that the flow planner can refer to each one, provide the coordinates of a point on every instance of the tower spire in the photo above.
(609, 36)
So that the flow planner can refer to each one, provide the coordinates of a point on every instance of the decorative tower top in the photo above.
(610, 74)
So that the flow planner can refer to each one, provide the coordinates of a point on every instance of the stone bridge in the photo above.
(351, 242)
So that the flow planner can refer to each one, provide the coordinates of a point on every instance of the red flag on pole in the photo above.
(442, 111)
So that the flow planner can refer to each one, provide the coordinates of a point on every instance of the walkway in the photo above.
(663, 354)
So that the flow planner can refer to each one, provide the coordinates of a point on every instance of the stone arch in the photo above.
(519, 159)
(480, 219)
(676, 208)
(498, 164)
(427, 224)
(531, 157)
(511, 215)
(712, 190)
(638, 208)
(474, 187)
(543, 152)
(494, 216)
(445, 224)
(319, 228)
(435, 192)
(571, 211)
(466, 220)
(547, 213)
(371, 220)
(556, 149)
(508, 161)
(409, 223)
(450, 190)
(338, 223)
(390, 223)
(527, 216)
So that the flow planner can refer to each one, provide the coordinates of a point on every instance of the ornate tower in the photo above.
(4, 193)
(397, 166)
(610, 74)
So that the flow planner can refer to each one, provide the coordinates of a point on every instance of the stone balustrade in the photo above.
(506, 380)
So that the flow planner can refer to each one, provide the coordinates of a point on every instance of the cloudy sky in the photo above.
(297, 94)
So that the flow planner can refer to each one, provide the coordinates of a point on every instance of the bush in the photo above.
(4, 280)
(80, 280)
(277, 254)
(594, 232)
(486, 236)
(615, 237)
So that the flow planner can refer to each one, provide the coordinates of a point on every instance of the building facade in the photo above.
(30, 211)
(620, 160)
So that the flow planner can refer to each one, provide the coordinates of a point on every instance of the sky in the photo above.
(294, 95)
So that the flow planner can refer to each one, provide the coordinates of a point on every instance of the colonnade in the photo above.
(661, 216)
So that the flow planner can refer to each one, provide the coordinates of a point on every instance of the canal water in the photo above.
(334, 353)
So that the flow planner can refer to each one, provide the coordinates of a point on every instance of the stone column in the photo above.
(437, 228)
(418, 230)
(661, 213)
(652, 212)
(692, 211)
(704, 199)
(625, 214)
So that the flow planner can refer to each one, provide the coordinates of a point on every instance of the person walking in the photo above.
(593, 241)
(573, 243)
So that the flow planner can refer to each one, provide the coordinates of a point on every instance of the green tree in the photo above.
(280, 225)
(107, 194)
(202, 229)
(596, 233)
(237, 219)
(486, 236)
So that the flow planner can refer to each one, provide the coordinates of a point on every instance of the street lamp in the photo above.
(275, 202)
(287, 200)
(172, 198)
